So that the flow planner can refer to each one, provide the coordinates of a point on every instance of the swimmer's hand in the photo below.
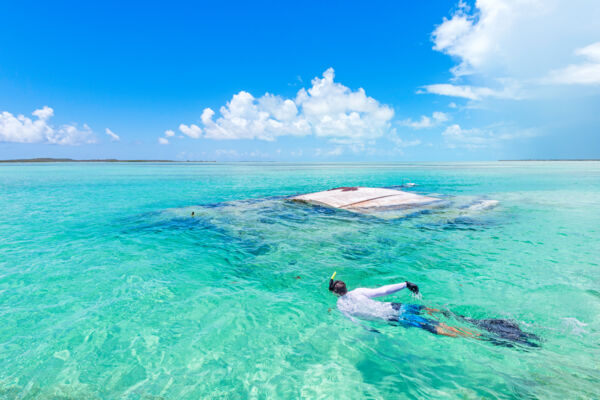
(412, 287)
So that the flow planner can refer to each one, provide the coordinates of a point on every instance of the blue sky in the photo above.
(310, 81)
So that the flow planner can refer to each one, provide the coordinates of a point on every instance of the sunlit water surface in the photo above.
(110, 289)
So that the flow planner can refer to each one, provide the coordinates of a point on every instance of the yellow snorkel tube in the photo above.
(331, 282)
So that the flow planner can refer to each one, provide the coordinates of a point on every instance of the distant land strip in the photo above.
(556, 159)
(48, 160)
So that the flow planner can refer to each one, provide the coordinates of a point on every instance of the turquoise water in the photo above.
(109, 289)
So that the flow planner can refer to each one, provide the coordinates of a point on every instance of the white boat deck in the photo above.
(365, 199)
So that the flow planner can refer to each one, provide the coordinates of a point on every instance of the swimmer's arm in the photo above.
(383, 290)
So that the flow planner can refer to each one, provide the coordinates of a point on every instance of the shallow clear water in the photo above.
(109, 289)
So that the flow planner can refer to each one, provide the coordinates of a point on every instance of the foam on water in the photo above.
(575, 326)
(110, 289)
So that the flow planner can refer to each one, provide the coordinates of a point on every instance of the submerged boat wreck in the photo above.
(365, 199)
(248, 221)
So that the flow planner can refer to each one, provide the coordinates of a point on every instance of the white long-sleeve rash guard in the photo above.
(359, 303)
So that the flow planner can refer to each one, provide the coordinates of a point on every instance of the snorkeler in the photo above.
(359, 303)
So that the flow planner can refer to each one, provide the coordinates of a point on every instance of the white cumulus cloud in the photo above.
(193, 131)
(402, 143)
(168, 134)
(507, 47)
(113, 136)
(469, 92)
(327, 109)
(21, 129)
(586, 73)
(496, 32)
(436, 118)
(476, 138)
(456, 136)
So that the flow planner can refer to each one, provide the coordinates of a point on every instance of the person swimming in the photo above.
(359, 303)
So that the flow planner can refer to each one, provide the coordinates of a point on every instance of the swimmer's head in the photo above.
(338, 287)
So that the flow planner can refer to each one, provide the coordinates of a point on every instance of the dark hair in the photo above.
(338, 287)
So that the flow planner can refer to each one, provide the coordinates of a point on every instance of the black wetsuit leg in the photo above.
(505, 329)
